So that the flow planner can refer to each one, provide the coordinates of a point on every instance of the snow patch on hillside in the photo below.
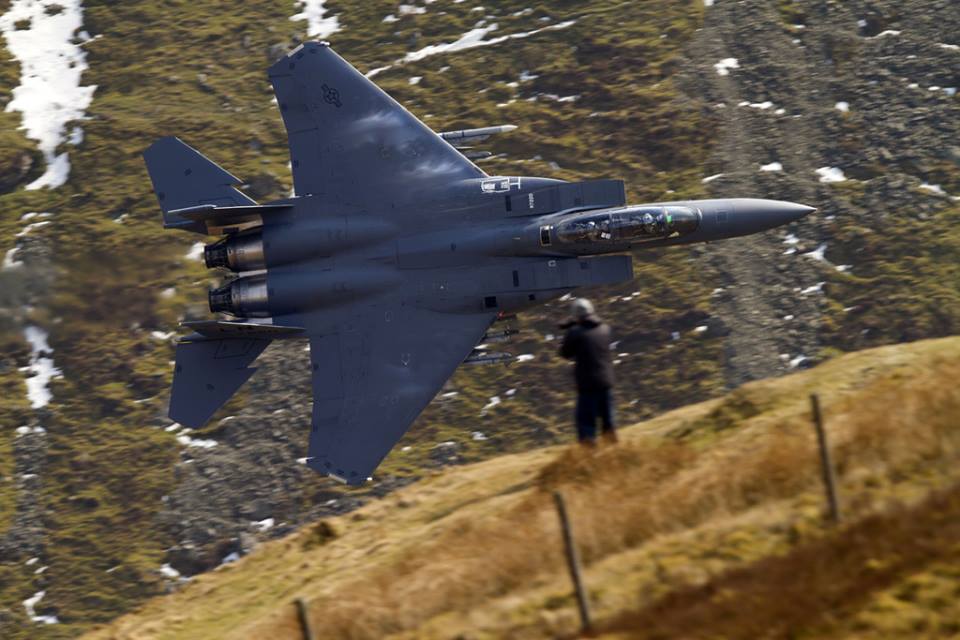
(41, 368)
(818, 254)
(43, 37)
(724, 66)
(196, 251)
(319, 24)
(185, 440)
(830, 174)
(494, 401)
(469, 40)
(29, 605)
(10, 261)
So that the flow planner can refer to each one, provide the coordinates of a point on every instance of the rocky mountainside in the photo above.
(850, 107)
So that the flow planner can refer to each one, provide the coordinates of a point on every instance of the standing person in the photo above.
(588, 342)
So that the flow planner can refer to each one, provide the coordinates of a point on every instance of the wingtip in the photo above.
(161, 142)
(285, 64)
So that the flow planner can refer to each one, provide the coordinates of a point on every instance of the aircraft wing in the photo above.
(351, 142)
(373, 377)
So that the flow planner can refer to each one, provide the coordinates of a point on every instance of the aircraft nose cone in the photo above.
(745, 216)
(758, 215)
(791, 211)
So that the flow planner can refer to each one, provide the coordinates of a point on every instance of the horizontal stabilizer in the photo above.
(217, 329)
(208, 373)
(184, 178)
(214, 216)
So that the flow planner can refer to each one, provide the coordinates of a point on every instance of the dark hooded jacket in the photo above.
(588, 341)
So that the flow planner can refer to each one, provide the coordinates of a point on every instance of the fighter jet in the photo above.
(395, 256)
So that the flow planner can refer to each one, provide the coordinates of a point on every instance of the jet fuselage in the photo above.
(319, 254)
(395, 257)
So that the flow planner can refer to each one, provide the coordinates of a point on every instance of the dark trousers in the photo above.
(590, 406)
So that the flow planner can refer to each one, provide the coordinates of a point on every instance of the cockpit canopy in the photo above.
(629, 225)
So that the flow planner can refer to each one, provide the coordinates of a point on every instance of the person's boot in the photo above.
(610, 437)
(588, 443)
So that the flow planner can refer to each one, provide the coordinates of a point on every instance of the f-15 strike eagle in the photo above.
(394, 258)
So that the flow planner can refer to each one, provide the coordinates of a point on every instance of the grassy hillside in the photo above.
(708, 515)
(886, 561)
(105, 495)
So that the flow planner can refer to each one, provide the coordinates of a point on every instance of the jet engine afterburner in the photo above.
(239, 252)
(243, 297)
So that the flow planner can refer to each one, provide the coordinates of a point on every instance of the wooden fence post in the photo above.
(573, 562)
(304, 615)
(826, 464)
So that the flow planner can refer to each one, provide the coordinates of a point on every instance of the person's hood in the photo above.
(591, 320)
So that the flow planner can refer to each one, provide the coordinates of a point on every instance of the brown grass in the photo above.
(903, 417)
(463, 547)
(803, 592)
(622, 496)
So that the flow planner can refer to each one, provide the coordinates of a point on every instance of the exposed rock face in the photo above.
(25, 283)
(21, 286)
(821, 85)
(24, 538)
